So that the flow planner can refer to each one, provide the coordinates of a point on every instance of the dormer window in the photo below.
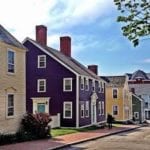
(86, 84)
(82, 83)
(42, 61)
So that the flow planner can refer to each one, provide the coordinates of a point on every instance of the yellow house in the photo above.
(118, 103)
(12, 82)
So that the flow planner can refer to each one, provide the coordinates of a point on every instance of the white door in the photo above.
(93, 113)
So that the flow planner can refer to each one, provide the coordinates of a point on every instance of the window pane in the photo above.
(10, 111)
(10, 105)
(11, 61)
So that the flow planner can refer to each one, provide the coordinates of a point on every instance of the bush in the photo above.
(37, 125)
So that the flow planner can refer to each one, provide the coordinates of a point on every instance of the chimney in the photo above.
(41, 34)
(65, 45)
(93, 68)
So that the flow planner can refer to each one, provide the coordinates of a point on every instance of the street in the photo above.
(138, 139)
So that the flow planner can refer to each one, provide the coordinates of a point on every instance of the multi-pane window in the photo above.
(11, 61)
(93, 85)
(42, 61)
(67, 110)
(41, 85)
(102, 111)
(86, 84)
(102, 87)
(87, 108)
(82, 83)
(99, 108)
(10, 105)
(82, 110)
(67, 84)
(115, 110)
(115, 93)
(99, 86)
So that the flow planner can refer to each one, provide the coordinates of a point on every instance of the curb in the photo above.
(94, 138)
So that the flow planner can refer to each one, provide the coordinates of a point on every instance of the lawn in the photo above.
(62, 131)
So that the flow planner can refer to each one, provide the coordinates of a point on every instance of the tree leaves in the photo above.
(135, 16)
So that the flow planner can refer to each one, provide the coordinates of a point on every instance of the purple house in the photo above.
(58, 84)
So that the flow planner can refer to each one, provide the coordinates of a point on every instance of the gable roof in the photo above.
(69, 61)
(115, 81)
(6, 37)
(139, 74)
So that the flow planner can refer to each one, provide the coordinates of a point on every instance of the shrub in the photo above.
(37, 125)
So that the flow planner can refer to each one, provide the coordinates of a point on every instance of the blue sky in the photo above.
(96, 36)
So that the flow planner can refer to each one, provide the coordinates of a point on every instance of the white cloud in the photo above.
(21, 16)
(147, 60)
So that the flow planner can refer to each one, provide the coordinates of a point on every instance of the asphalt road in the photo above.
(138, 139)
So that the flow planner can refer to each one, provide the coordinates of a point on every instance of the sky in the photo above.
(96, 36)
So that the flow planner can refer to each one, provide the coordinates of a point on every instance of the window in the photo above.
(99, 86)
(82, 110)
(115, 110)
(82, 83)
(93, 85)
(102, 111)
(136, 115)
(146, 104)
(41, 85)
(102, 87)
(115, 92)
(86, 84)
(87, 108)
(11, 61)
(68, 110)
(67, 82)
(10, 105)
(99, 108)
(42, 61)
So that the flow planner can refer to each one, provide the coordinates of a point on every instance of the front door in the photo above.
(41, 107)
(93, 113)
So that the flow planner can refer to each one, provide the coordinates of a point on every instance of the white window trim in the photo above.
(100, 108)
(137, 115)
(113, 110)
(14, 61)
(9, 117)
(87, 81)
(103, 108)
(87, 108)
(82, 80)
(82, 109)
(117, 93)
(64, 115)
(99, 86)
(64, 85)
(38, 85)
(39, 56)
(93, 85)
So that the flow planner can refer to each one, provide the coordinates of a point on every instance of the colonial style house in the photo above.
(58, 84)
(139, 84)
(12, 82)
(118, 102)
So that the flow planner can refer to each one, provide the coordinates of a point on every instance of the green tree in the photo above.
(135, 16)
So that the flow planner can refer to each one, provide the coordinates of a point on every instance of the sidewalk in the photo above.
(69, 139)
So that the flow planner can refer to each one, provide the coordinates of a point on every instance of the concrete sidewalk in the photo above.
(69, 139)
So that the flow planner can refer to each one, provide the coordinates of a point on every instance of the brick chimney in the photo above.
(41, 34)
(65, 45)
(93, 68)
